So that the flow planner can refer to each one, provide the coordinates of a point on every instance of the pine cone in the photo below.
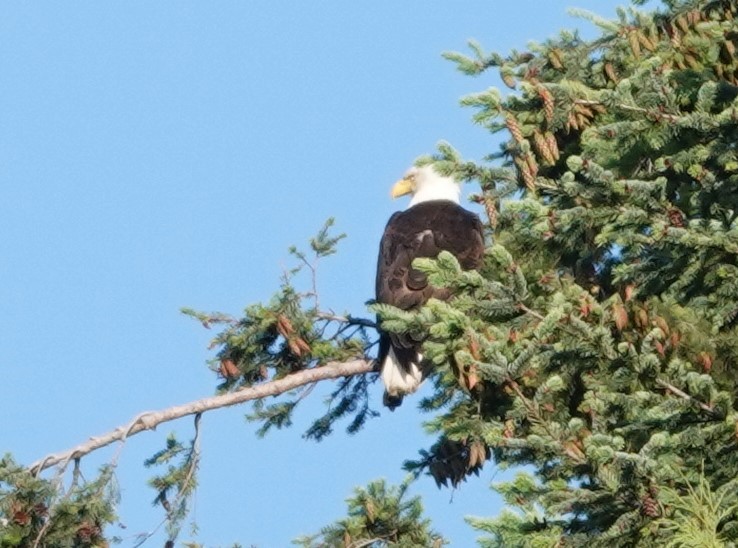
(514, 128)
(676, 217)
(548, 103)
(650, 507)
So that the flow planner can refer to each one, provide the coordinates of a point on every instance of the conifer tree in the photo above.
(597, 346)
(378, 516)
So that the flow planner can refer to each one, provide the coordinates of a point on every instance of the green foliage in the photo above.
(175, 487)
(378, 516)
(597, 345)
(291, 333)
(35, 510)
(323, 244)
(699, 514)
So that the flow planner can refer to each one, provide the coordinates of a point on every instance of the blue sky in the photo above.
(155, 155)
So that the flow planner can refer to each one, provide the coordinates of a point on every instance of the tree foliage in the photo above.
(615, 258)
(378, 516)
(40, 512)
(291, 333)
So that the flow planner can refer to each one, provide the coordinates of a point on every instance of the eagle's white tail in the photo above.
(399, 380)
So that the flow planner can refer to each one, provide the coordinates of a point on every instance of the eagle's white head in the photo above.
(424, 184)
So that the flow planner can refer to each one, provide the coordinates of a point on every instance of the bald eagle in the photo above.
(433, 222)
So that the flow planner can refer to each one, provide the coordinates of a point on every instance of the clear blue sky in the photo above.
(155, 155)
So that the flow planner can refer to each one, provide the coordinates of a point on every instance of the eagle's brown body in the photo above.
(423, 230)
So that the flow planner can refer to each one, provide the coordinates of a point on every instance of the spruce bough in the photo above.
(604, 331)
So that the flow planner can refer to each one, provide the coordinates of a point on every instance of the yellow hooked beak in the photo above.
(403, 187)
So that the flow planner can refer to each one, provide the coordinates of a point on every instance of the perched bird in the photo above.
(433, 222)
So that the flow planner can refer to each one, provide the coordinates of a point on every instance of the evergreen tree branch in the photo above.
(348, 320)
(677, 392)
(369, 542)
(149, 420)
(530, 311)
(571, 450)
(632, 108)
(176, 511)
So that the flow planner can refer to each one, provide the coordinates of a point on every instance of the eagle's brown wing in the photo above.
(423, 230)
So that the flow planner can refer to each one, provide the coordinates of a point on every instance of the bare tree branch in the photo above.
(149, 420)
(674, 390)
(350, 320)
(533, 313)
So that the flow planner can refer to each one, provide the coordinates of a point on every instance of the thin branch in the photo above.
(312, 266)
(530, 311)
(631, 108)
(314, 277)
(59, 497)
(535, 415)
(677, 392)
(194, 462)
(151, 419)
(350, 320)
(369, 542)
(306, 392)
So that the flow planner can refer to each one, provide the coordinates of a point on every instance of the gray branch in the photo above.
(149, 420)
